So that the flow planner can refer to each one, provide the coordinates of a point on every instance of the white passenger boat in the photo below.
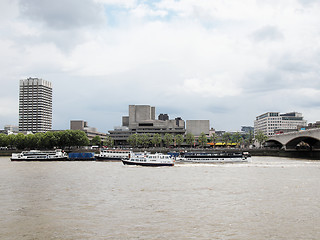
(215, 157)
(37, 155)
(148, 159)
(112, 154)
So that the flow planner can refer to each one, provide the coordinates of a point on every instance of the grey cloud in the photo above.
(295, 67)
(300, 70)
(63, 14)
(267, 33)
(262, 81)
(307, 2)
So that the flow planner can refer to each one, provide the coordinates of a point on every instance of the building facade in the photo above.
(91, 132)
(35, 105)
(196, 127)
(271, 123)
(141, 120)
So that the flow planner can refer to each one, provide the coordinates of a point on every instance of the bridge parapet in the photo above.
(291, 139)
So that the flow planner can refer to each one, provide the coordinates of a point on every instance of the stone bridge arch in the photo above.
(272, 143)
(309, 143)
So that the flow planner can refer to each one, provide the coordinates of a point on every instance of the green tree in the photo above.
(202, 139)
(179, 139)
(109, 141)
(226, 137)
(213, 138)
(58, 137)
(31, 141)
(3, 140)
(65, 139)
(133, 140)
(237, 138)
(48, 140)
(156, 139)
(248, 139)
(11, 141)
(261, 137)
(20, 141)
(81, 139)
(168, 139)
(143, 140)
(96, 141)
(190, 139)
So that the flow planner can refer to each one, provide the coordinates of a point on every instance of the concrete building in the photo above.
(196, 127)
(35, 105)
(141, 120)
(91, 132)
(247, 129)
(140, 113)
(163, 117)
(271, 123)
(11, 128)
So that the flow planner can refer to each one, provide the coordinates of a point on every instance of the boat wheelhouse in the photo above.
(37, 155)
(148, 159)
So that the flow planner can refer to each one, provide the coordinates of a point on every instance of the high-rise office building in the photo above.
(272, 122)
(35, 105)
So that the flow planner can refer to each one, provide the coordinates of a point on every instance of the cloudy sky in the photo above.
(223, 60)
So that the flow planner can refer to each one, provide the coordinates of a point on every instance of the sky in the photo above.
(224, 60)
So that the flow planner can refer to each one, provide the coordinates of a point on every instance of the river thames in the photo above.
(267, 198)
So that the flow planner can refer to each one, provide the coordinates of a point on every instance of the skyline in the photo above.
(226, 61)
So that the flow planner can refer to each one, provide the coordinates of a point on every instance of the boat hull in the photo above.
(40, 159)
(109, 159)
(147, 164)
(214, 158)
(228, 160)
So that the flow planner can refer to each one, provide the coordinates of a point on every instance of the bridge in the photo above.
(303, 139)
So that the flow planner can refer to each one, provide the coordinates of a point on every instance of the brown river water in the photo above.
(267, 198)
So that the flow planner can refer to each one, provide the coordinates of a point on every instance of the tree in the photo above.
(261, 137)
(248, 139)
(3, 140)
(226, 137)
(236, 138)
(189, 139)
(213, 138)
(156, 139)
(143, 140)
(11, 140)
(168, 139)
(82, 139)
(109, 141)
(96, 141)
(202, 139)
(65, 139)
(133, 140)
(36, 141)
(20, 141)
(48, 140)
(31, 141)
(179, 139)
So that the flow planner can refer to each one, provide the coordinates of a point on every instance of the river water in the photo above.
(267, 198)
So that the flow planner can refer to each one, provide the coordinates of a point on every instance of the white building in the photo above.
(272, 122)
(35, 105)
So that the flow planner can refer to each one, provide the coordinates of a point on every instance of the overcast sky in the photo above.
(224, 60)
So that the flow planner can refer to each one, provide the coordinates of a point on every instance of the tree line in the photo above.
(47, 140)
(156, 140)
(77, 138)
